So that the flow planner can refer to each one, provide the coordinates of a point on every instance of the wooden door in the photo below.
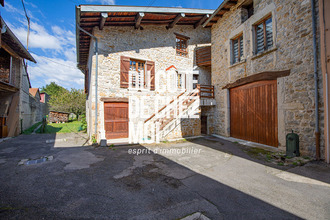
(116, 120)
(253, 112)
(204, 124)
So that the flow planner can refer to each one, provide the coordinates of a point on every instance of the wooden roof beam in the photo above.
(201, 21)
(138, 19)
(231, 3)
(103, 19)
(176, 20)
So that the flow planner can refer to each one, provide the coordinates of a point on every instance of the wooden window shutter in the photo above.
(124, 68)
(151, 68)
(86, 81)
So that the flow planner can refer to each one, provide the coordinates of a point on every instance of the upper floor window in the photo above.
(247, 10)
(250, 9)
(195, 81)
(237, 49)
(181, 45)
(263, 35)
(179, 81)
(138, 73)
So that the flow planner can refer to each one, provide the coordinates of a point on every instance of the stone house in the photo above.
(263, 73)
(14, 82)
(147, 71)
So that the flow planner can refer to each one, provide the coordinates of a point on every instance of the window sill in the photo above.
(138, 90)
(264, 53)
(238, 63)
(182, 56)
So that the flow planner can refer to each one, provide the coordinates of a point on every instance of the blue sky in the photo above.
(52, 39)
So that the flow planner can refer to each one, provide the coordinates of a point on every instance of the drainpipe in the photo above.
(317, 129)
(96, 68)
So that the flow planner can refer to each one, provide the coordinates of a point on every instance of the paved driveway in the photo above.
(206, 175)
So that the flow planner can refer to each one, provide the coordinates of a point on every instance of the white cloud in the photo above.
(63, 72)
(39, 37)
(56, 61)
(103, 2)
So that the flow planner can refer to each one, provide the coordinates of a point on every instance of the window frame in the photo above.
(179, 81)
(255, 26)
(239, 38)
(137, 62)
(183, 40)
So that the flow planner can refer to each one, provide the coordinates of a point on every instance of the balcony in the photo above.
(203, 56)
(206, 94)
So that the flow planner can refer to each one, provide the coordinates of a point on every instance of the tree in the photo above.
(78, 102)
(53, 89)
(69, 101)
(61, 101)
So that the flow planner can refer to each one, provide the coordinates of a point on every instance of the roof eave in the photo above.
(28, 56)
(77, 34)
(216, 12)
(118, 8)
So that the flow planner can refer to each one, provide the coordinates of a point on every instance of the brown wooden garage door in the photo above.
(253, 112)
(116, 120)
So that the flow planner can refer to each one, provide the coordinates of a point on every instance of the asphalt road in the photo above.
(207, 175)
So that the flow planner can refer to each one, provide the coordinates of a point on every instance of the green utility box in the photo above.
(292, 145)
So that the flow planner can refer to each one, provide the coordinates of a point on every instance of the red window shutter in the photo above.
(151, 68)
(124, 68)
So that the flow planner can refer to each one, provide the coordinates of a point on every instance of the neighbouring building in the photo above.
(14, 82)
(44, 97)
(263, 72)
(324, 18)
(147, 72)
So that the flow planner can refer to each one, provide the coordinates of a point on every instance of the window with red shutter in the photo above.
(141, 76)
(124, 69)
(151, 71)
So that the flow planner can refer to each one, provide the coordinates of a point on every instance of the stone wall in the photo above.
(293, 49)
(154, 43)
(31, 109)
(27, 116)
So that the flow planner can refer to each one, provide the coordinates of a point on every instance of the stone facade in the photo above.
(153, 43)
(292, 50)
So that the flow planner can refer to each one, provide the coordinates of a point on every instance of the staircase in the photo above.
(185, 105)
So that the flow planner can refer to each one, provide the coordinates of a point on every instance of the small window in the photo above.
(263, 35)
(179, 81)
(181, 45)
(237, 49)
(195, 81)
(247, 10)
(250, 9)
(138, 77)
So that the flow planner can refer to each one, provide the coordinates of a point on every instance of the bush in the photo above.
(83, 123)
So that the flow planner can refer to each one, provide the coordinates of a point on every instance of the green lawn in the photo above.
(63, 127)
(31, 129)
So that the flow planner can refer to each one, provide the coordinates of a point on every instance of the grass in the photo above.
(63, 127)
(31, 129)
(257, 151)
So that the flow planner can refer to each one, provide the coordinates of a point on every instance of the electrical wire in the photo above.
(46, 58)
(28, 32)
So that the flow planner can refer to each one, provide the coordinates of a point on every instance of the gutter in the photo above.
(317, 127)
(96, 74)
